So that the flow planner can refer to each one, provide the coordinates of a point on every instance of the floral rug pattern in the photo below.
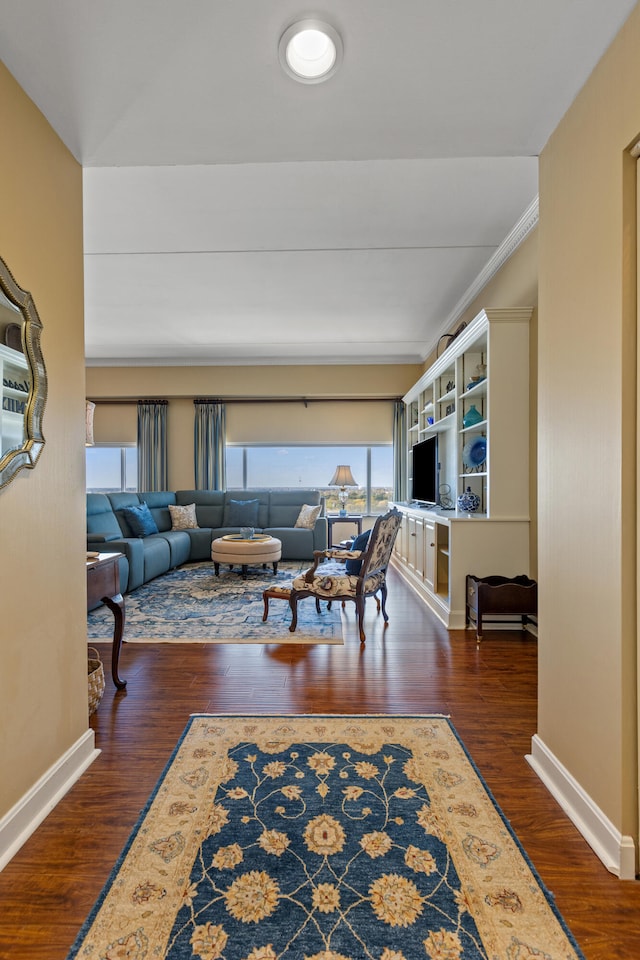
(191, 605)
(323, 838)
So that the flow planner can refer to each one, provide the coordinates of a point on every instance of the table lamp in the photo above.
(343, 478)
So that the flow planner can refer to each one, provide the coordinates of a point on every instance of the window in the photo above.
(112, 467)
(255, 465)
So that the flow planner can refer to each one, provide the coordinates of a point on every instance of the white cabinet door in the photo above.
(429, 553)
(419, 547)
(400, 546)
(411, 543)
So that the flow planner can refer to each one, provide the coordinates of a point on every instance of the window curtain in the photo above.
(399, 451)
(152, 445)
(209, 445)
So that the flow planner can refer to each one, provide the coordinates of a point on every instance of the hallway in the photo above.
(414, 666)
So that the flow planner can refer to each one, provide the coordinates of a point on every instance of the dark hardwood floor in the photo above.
(414, 666)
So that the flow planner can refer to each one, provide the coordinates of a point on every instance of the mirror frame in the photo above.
(26, 455)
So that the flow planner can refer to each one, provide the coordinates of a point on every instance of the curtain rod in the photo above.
(133, 401)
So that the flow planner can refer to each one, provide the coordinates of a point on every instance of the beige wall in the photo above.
(43, 681)
(586, 440)
(317, 421)
(374, 380)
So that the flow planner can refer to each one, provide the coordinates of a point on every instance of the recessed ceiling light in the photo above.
(310, 51)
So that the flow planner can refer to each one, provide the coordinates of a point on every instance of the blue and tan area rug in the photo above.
(192, 605)
(323, 838)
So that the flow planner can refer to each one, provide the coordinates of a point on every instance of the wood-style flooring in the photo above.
(414, 666)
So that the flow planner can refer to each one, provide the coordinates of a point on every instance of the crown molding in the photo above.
(507, 248)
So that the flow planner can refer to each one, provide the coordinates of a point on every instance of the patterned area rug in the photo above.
(323, 838)
(193, 605)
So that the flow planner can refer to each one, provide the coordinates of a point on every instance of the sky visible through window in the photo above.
(113, 468)
(104, 468)
(293, 466)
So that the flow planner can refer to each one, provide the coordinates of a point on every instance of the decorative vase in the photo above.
(471, 416)
(468, 502)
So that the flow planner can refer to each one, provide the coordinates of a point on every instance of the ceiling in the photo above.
(233, 215)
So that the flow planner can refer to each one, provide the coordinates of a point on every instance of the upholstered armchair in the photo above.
(332, 581)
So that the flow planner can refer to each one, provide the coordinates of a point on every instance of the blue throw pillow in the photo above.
(140, 520)
(360, 543)
(241, 513)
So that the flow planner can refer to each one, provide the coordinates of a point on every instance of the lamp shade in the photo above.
(88, 423)
(342, 477)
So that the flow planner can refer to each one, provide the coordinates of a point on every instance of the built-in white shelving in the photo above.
(487, 367)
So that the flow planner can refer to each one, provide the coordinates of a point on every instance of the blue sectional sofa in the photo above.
(148, 556)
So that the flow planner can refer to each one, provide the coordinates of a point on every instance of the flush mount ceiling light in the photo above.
(310, 51)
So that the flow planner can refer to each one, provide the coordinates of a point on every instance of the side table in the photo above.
(103, 585)
(336, 518)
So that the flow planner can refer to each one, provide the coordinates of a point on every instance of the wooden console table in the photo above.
(103, 585)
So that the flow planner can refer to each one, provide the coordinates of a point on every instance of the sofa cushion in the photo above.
(118, 502)
(140, 520)
(101, 520)
(360, 543)
(241, 513)
(183, 518)
(308, 516)
(155, 499)
(179, 546)
(209, 505)
(157, 556)
(200, 543)
(283, 514)
(296, 544)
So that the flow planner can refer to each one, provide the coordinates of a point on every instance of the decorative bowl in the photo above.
(474, 453)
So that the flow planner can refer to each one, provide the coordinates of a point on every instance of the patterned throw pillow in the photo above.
(308, 516)
(183, 518)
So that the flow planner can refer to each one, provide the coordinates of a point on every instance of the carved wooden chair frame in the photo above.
(370, 581)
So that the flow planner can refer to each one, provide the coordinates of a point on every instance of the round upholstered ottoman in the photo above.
(238, 551)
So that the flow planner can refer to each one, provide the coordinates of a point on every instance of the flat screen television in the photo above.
(425, 471)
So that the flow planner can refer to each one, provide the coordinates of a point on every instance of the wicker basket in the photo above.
(96, 680)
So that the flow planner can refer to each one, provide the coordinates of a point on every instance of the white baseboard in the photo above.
(22, 820)
(616, 851)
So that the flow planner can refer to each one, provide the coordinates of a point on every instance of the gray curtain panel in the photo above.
(152, 445)
(209, 445)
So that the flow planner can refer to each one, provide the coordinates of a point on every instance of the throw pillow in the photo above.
(308, 516)
(140, 520)
(360, 543)
(183, 518)
(241, 513)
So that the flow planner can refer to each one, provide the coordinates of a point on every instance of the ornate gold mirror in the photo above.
(24, 379)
